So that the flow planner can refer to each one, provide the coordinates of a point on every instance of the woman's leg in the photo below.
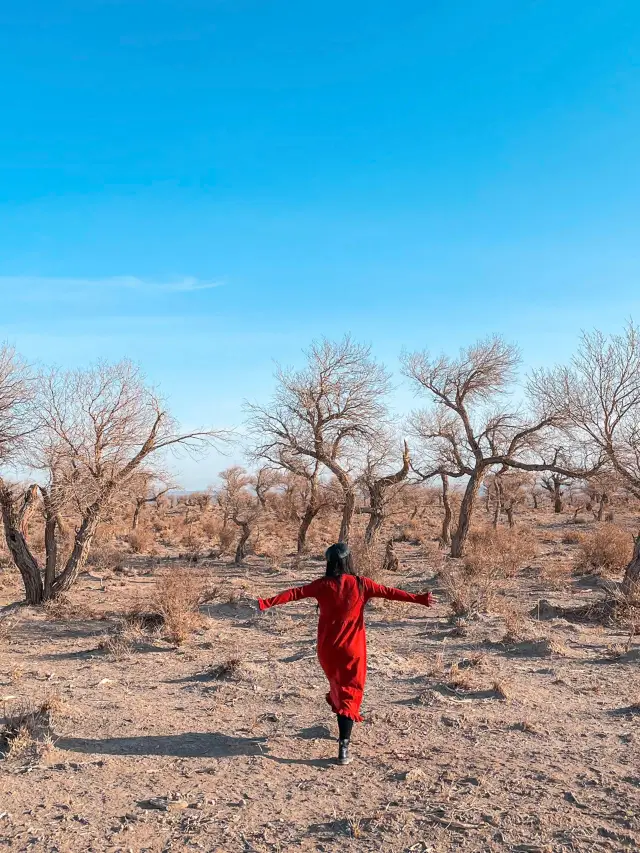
(345, 725)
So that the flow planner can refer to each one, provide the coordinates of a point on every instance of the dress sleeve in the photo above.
(377, 590)
(294, 594)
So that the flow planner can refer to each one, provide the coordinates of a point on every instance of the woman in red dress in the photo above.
(342, 642)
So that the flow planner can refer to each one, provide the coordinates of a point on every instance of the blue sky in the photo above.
(206, 186)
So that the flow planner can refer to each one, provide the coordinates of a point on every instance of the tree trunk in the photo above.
(631, 580)
(376, 519)
(136, 515)
(50, 544)
(445, 535)
(20, 553)
(604, 500)
(241, 550)
(509, 511)
(347, 515)
(309, 514)
(80, 552)
(390, 562)
(459, 538)
(557, 498)
(535, 500)
(498, 509)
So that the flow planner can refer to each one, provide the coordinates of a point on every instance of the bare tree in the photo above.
(509, 488)
(96, 428)
(445, 533)
(601, 387)
(148, 489)
(325, 411)
(16, 392)
(308, 495)
(469, 430)
(554, 483)
(379, 487)
(243, 497)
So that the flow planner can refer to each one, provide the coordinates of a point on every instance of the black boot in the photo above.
(343, 751)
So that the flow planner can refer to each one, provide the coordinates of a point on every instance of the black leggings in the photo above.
(345, 724)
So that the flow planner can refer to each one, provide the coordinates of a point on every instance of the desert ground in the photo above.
(515, 729)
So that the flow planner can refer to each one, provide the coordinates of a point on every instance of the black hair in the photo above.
(339, 560)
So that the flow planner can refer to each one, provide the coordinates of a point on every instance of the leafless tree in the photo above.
(16, 392)
(601, 387)
(325, 411)
(379, 487)
(308, 494)
(509, 489)
(243, 496)
(554, 483)
(148, 489)
(469, 428)
(95, 429)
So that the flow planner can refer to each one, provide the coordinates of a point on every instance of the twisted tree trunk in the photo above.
(459, 538)
(631, 580)
(445, 535)
(17, 544)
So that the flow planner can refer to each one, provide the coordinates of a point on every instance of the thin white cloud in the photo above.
(60, 286)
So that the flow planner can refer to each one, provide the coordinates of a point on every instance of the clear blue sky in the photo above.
(417, 173)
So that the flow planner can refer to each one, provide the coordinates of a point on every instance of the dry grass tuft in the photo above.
(501, 689)
(608, 549)
(468, 596)
(458, 679)
(174, 605)
(518, 627)
(27, 730)
(141, 540)
(368, 558)
(62, 609)
(105, 557)
(228, 670)
(120, 643)
(499, 552)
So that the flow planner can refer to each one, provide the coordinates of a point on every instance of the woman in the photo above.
(342, 643)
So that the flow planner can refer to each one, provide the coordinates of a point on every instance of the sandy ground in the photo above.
(525, 746)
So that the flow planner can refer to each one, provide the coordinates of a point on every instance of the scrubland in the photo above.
(152, 708)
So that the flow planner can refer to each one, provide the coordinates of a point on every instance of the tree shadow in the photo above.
(184, 745)
(315, 733)
(307, 762)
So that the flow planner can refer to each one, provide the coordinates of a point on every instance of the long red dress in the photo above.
(342, 642)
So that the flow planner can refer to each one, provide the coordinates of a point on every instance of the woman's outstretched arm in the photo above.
(377, 590)
(294, 594)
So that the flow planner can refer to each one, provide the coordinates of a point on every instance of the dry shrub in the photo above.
(518, 627)
(119, 644)
(62, 609)
(273, 551)
(105, 557)
(411, 533)
(27, 730)
(501, 689)
(467, 595)
(368, 558)
(141, 541)
(227, 538)
(227, 670)
(606, 549)
(499, 552)
(459, 679)
(572, 537)
(7, 623)
(176, 599)
(211, 528)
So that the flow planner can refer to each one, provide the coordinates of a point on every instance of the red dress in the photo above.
(342, 642)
